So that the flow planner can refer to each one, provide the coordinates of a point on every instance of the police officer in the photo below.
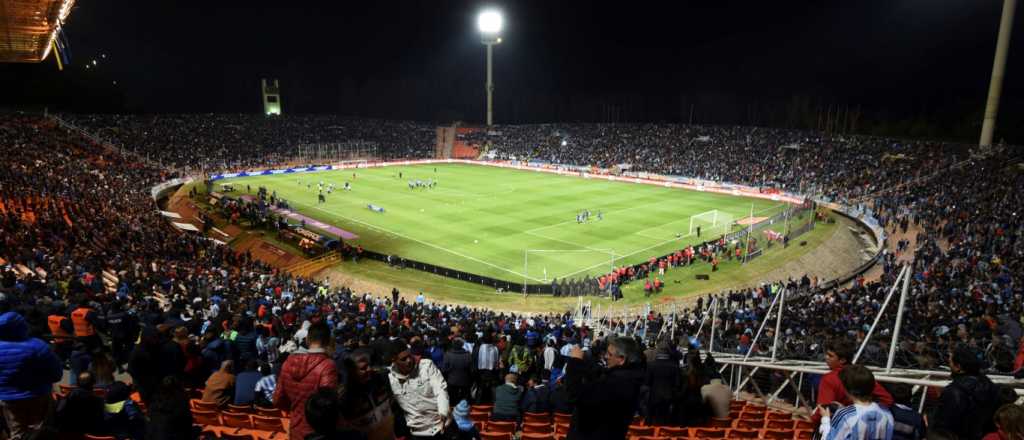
(124, 329)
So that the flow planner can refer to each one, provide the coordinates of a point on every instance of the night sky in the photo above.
(724, 61)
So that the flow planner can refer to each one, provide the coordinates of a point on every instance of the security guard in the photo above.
(63, 334)
(85, 321)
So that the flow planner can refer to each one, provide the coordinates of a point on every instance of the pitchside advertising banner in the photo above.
(269, 172)
(568, 170)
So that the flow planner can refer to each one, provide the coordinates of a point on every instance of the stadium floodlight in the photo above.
(489, 23)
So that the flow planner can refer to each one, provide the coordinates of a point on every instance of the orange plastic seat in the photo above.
(776, 415)
(202, 405)
(719, 422)
(232, 436)
(267, 423)
(777, 434)
(98, 437)
(561, 429)
(744, 433)
(536, 417)
(509, 427)
(563, 418)
(709, 433)
(641, 431)
(236, 420)
(243, 409)
(748, 424)
(803, 434)
(536, 436)
(673, 431)
(479, 416)
(204, 417)
(753, 415)
(269, 412)
(537, 428)
(778, 424)
(804, 424)
(481, 408)
(488, 435)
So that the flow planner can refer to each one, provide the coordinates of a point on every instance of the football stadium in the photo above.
(518, 221)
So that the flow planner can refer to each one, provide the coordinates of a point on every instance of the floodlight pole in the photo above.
(490, 82)
(995, 87)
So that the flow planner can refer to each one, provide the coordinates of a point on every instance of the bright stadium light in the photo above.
(489, 22)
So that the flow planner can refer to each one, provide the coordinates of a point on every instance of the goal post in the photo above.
(713, 221)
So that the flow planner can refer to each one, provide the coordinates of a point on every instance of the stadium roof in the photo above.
(27, 28)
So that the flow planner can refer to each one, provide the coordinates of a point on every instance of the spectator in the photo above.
(690, 407)
(81, 412)
(909, 425)
(457, 368)
(968, 403)
(245, 383)
(122, 418)
(663, 382)
(303, 373)
(864, 419)
(466, 430)
(606, 398)
(28, 370)
(220, 387)
(831, 388)
(170, 417)
(265, 387)
(717, 395)
(366, 399)
(486, 359)
(537, 397)
(321, 413)
(420, 391)
(507, 398)
(560, 400)
(1009, 422)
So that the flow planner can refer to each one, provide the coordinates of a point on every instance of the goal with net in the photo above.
(713, 221)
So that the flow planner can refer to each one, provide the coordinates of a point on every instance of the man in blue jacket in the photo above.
(28, 370)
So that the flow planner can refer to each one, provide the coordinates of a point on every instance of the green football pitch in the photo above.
(509, 224)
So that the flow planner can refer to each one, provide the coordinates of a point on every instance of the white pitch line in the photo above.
(628, 255)
(603, 251)
(422, 242)
(605, 213)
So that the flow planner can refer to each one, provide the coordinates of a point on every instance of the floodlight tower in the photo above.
(995, 87)
(489, 23)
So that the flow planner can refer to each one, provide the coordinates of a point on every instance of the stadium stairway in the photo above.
(307, 268)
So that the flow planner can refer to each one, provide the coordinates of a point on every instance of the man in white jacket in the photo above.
(421, 392)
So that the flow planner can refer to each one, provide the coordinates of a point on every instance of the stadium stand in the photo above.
(75, 214)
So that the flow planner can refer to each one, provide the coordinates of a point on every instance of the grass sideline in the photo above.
(483, 219)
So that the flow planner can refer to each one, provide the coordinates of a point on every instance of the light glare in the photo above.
(489, 22)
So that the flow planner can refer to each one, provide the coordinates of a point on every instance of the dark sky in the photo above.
(729, 61)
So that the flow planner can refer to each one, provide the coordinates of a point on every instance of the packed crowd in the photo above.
(235, 141)
(90, 267)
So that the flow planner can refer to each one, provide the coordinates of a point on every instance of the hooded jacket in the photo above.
(302, 374)
(423, 397)
(28, 368)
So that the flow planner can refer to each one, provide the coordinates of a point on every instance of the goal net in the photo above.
(714, 221)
